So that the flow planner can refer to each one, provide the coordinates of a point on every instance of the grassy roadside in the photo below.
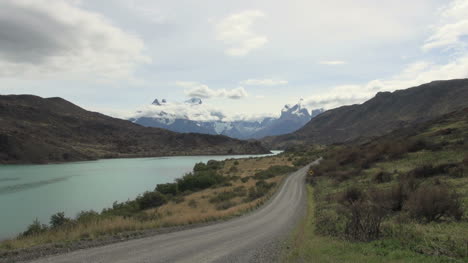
(307, 246)
(213, 191)
(397, 198)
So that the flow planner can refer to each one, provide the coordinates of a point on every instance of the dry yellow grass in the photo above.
(195, 208)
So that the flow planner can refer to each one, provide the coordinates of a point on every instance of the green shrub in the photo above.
(167, 189)
(431, 170)
(351, 195)
(228, 195)
(434, 202)
(199, 180)
(382, 177)
(59, 219)
(151, 200)
(87, 216)
(210, 165)
(303, 161)
(35, 228)
(245, 179)
(273, 171)
(260, 189)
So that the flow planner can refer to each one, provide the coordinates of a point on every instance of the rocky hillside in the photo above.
(380, 115)
(39, 130)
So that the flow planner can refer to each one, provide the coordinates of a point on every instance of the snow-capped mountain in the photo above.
(172, 117)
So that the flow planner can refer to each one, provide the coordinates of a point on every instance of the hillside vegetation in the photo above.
(212, 191)
(380, 115)
(38, 130)
(398, 198)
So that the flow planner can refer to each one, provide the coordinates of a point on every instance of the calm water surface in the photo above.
(38, 191)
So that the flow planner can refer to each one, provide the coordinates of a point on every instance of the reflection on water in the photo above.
(21, 187)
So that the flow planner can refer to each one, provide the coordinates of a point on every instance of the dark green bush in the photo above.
(351, 195)
(199, 180)
(168, 189)
(303, 161)
(431, 170)
(245, 179)
(382, 177)
(59, 219)
(210, 165)
(273, 171)
(434, 202)
(151, 200)
(260, 189)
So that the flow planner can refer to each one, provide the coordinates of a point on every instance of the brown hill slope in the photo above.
(382, 114)
(39, 130)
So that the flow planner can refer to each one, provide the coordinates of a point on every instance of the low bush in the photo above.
(35, 228)
(351, 195)
(228, 195)
(273, 171)
(429, 170)
(433, 203)
(168, 189)
(151, 200)
(260, 189)
(364, 220)
(87, 216)
(223, 196)
(225, 205)
(59, 219)
(199, 180)
(210, 165)
(245, 179)
(382, 177)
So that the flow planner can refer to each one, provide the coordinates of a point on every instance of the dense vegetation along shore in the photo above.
(213, 191)
(397, 198)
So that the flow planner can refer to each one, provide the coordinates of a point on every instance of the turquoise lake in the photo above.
(28, 192)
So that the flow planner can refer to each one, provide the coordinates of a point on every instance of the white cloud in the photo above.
(332, 62)
(196, 112)
(454, 26)
(413, 75)
(264, 82)
(40, 38)
(447, 35)
(198, 90)
(235, 31)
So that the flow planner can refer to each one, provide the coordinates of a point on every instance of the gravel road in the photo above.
(256, 237)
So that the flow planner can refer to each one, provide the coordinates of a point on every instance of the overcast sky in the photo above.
(241, 57)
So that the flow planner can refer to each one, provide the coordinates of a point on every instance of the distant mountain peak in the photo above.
(156, 102)
(296, 110)
(194, 101)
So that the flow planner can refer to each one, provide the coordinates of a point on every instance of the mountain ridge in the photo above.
(292, 118)
(386, 112)
(43, 130)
